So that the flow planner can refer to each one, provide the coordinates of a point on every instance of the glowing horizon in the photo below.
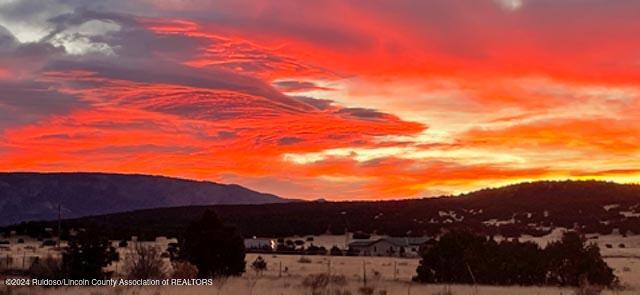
(340, 100)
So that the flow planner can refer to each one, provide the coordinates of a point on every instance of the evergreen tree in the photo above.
(574, 262)
(86, 256)
(215, 249)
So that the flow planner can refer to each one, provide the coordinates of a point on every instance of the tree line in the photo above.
(464, 258)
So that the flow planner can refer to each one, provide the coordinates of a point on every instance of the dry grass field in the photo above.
(296, 274)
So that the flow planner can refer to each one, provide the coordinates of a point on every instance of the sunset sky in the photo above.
(324, 99)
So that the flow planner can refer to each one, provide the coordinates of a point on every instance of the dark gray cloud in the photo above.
(362, 113)
(201, 133)
(27, 102)
(141, 149)
(7, 40)
(320, 104)
(289, 140)
(133, 125)
(37, 98)
(297, 86)
(21, 58)
(225, 135)
(56, 136)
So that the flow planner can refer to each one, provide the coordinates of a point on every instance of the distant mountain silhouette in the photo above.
(35, 196)
(528, 208)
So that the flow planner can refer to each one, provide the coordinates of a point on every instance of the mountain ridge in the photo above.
(529, 208)
(35, 195)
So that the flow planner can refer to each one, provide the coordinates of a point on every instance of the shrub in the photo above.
(145, 263)
(366, 290)
(48, 268)
(174, 251)
(588, 290)
(319, 282)
(49, 243)
(259, 265)
(303, 259)
(335, 251)
(315, 250)
(184, 270)
(446, 290)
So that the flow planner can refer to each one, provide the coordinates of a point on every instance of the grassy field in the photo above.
(295, 285)
(296, 274)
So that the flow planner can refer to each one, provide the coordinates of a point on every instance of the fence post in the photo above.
(395, 270)
(364, 273)
(329, 274)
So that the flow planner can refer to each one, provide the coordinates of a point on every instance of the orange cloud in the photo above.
(606, 137)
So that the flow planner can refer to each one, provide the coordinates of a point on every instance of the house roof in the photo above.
(362, 243)
(407, 241)
(400, 242)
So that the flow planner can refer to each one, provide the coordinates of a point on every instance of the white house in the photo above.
(259, 244)
(406, 247)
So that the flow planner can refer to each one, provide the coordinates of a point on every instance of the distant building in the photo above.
(404, 247)
(260, 244)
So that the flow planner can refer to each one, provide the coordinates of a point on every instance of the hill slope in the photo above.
(529, 208)
(35, 196)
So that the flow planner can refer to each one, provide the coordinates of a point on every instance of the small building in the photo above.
(402, 247)
(260, 244)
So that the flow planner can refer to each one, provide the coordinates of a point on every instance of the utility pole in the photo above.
(59, 223)
(346, 230)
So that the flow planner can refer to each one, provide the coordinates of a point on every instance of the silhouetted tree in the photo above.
(459, 257)
(573, 262)
(215, 249)
(87, 254)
